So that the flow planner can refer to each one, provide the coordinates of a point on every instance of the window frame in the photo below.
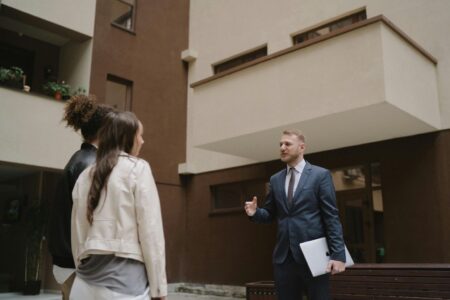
(239, 59)
(132, 29)
(311, 32)
(242, 193)
(126, 82)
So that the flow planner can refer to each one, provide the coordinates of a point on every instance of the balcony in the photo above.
(46, 42)
(51, 41)
(31, 131)
(366, 83)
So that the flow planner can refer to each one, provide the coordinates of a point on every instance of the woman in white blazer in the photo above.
(117, 232)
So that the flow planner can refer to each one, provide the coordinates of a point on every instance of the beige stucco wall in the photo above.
(76, 71)
(31, 131)
(410, 79)
(223, 28)
(306, 84)
(77, 15)
(428, 23)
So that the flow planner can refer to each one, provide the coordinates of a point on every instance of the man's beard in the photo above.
(289, 158)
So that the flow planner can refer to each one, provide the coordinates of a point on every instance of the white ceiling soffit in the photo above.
(355, 127)
(32, 31)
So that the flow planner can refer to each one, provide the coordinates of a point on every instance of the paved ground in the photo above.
(172, 296)
(14, 296)
(180, 296)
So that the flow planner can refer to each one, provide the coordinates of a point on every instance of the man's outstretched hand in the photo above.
(251, 206)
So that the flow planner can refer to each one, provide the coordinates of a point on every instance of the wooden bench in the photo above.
(378, 281)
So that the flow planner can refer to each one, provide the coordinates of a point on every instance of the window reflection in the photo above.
(349, 179)
(330, 27)
(361, 209)
(240, 60)
(122, 13)
(376, 178)
(233, 195)
(118, 92)
(227, 196)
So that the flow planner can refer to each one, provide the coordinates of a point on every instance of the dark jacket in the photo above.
(313, 214)
(59, 231)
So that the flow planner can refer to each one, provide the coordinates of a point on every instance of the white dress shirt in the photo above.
(298, 169)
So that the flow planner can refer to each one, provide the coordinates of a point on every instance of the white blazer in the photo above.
(127, 221)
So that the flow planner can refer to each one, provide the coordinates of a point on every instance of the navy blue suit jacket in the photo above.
(313, 214)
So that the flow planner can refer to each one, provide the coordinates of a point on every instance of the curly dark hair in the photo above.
(83, 112)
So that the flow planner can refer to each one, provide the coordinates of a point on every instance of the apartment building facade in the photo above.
(122, 51)
(366, 81)
(215, 83)
(49, 41)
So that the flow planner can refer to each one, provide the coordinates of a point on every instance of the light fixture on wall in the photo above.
(189, 55)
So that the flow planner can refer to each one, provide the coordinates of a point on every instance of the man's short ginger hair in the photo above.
(295, 132)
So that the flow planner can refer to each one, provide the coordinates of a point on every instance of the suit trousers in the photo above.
(293, 280)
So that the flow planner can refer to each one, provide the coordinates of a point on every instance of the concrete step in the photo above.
(172, 296)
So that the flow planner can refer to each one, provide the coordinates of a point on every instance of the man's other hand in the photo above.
(335, 266)
(251, 206)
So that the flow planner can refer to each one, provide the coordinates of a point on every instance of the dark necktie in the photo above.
(291, 187)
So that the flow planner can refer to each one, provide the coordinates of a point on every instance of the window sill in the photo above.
(123, 28)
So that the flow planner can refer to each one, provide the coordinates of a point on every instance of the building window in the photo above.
(240, 60)
(118, 92)
(360, 203)
(123, 13)
(231, 197)
(349, 178)
(329, 27)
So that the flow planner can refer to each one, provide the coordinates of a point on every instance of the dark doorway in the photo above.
(11, 56)
(360, 204)
(354, 211)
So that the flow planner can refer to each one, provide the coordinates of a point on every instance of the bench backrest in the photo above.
(408, 281)
(376, 282)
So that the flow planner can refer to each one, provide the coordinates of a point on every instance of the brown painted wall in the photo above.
(443, 190)
(229, 249)
(222, 248)
(409, 174)
(412, 217)
(150, 58)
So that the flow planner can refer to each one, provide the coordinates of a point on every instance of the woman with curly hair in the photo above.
(84, 114)
(117, 231)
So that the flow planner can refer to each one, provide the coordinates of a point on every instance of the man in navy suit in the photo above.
(303, 201)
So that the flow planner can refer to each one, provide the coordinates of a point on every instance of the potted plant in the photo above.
(12, 76)
(79, 91)
(36, 221)
(57, 90)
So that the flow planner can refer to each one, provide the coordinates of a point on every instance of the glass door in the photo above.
(360, 204)
(354, 211)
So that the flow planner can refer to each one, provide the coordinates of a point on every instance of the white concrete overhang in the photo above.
(32, 132)
(366, 83)
(15, 20)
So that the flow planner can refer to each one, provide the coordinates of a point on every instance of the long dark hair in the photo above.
(117, 134)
